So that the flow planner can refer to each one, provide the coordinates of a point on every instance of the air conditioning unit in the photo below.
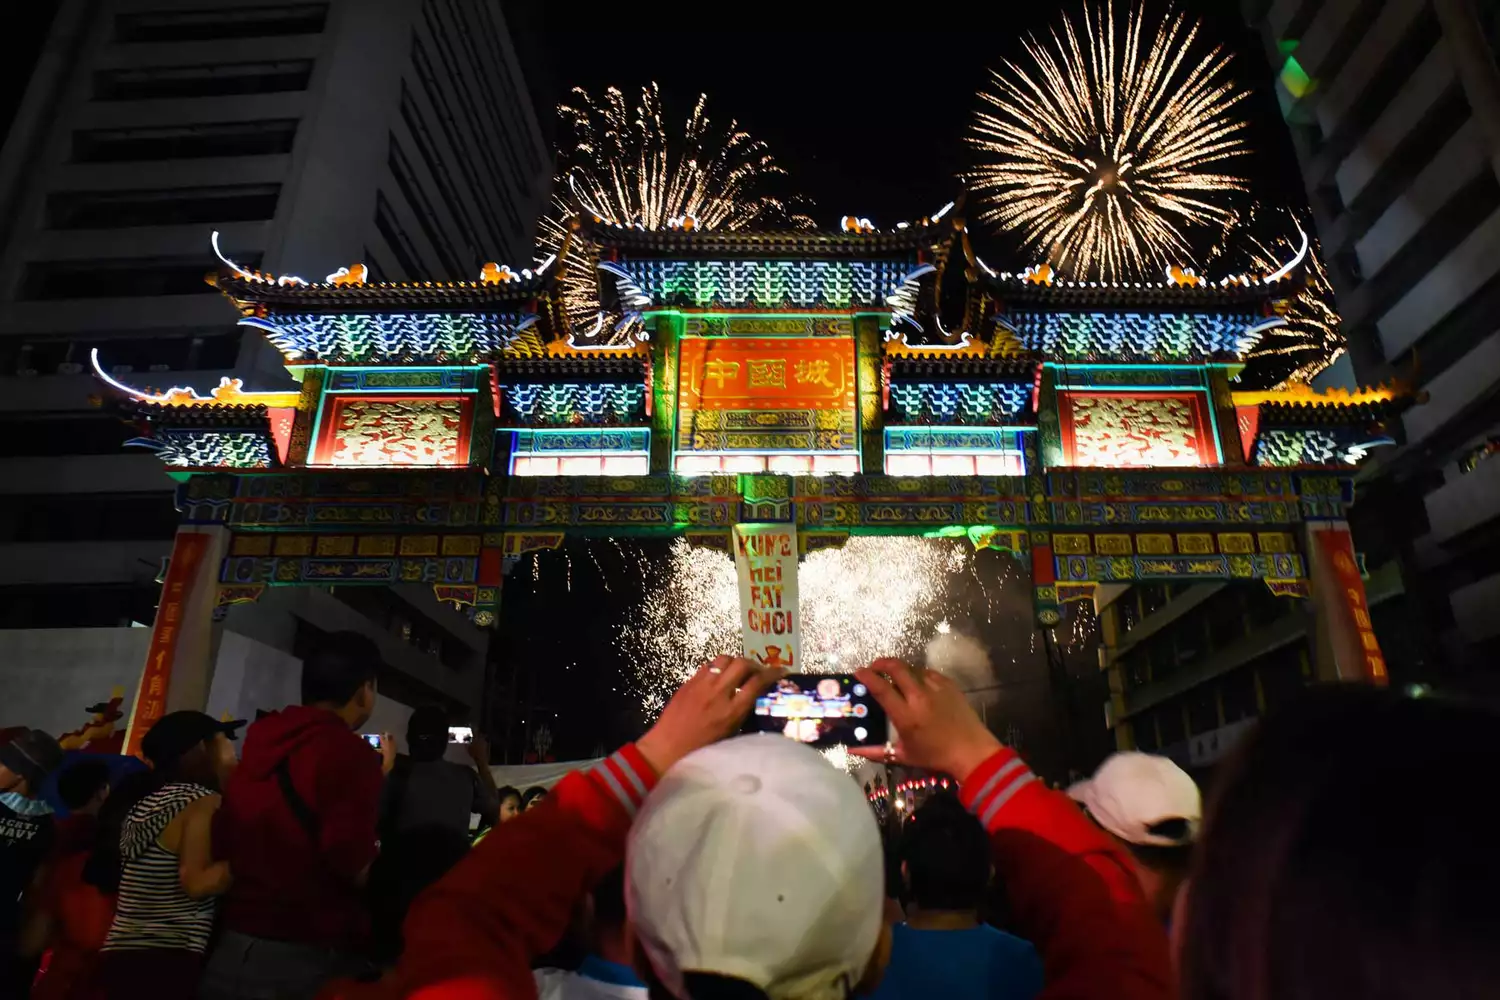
(70, 368)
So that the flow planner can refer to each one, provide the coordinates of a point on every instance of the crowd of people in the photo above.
(1338, 855)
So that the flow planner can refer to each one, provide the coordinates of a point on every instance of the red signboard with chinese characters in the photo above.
(151, 697)
(779, 374)
(767, 396)
(1339, 549)
(1119, 430)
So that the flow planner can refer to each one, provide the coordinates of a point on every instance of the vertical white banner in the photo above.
(765, 556)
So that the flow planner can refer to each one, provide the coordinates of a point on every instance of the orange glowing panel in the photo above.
(771, 374)
(395, 431)
(1120, 430)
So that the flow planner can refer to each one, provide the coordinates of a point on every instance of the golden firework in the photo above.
(623, 166)
(1106, 149)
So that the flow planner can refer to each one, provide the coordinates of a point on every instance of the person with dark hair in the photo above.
(1346, 852)
(607, 971)
(532, 797)
(424, 819)
(168, 879)
(942, 949)
(72, 919)
(753, 869)
(423, 789)
(298, 827)
(26, 834)
(509, 799)
(1150, 807)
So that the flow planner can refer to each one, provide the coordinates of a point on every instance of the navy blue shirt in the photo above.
(980, 963)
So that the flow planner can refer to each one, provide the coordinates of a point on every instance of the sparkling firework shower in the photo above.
(876, 596)
(1103, 152)
(1312, 338)
(625, 166)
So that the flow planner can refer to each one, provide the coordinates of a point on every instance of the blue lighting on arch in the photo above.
(1126, 337)
(571, 403)
(767, 283)
(965, 403)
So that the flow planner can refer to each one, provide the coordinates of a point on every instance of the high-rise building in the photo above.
(1394, 111)
(310, 135)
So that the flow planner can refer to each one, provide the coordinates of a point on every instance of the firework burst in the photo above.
(624, 166)
(1312, 338)
(1106, 150)
(875, 596)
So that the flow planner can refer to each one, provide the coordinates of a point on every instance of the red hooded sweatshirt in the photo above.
(473, 934)
(299, 881)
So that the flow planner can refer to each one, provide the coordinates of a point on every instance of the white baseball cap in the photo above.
(1133, 792)
(755, 859)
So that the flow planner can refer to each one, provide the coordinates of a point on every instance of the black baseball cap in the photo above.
(178, 732)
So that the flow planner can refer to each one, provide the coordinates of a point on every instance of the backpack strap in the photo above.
(298, 805)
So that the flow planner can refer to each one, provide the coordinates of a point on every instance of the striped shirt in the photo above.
(153, 910)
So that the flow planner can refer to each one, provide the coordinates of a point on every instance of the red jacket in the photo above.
(287, 885)
(473, 934)
(81, 913)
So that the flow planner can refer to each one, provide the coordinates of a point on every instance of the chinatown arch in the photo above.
(677, 382)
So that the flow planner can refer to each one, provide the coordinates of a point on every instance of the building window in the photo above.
(154, 82)
(97, 606)
(48, 434)
(1239, 695)
(242, 21)
(395, 236)
(1169, 723)
(88, 517)
(180, 206)
(1203, 710)
(136, 278)
(1143, 729)
(189, 142)
(422, 208)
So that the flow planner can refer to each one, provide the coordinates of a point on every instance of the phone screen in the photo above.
(460, 734)
(821, 710)
(373, 739)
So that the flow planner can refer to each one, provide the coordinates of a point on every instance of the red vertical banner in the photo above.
(1338, 547)
(151, 696)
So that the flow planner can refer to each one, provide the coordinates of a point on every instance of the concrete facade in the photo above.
(1394, 110)
(311, 135)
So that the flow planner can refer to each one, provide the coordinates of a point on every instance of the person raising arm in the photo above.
(1072, 891)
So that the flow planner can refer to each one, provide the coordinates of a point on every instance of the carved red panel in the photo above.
(1136, 430)
(371, 431)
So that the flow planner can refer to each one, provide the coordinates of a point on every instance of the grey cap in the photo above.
(33, 755)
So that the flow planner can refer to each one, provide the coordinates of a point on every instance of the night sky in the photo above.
(866, 112)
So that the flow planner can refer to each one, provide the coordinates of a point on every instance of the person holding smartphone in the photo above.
(754, 868)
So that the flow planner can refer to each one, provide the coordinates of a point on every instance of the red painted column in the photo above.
(179, 668)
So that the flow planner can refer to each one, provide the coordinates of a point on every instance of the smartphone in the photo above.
(372, 738)
(460, 734)
(821, 710)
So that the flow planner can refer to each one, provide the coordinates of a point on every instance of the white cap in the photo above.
(1132, 792)
(755, 859)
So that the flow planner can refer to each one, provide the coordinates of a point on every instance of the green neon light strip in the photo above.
(312, 442)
